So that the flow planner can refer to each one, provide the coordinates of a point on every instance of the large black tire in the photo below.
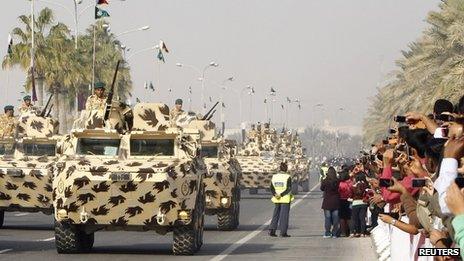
(188, 239)
(2, 218)
(305, 185)
(295, 187)
(228, 219)
(70, 240)
(253, 191)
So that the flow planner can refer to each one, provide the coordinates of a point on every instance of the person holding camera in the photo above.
(281, 185)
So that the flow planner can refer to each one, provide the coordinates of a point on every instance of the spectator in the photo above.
(359, 205)
(331, 203)
(345, 190)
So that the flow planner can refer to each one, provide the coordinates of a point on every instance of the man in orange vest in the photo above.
(281, 185)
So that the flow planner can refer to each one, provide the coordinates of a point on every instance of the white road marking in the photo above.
(5, 250)
(251, 235)
(46, 239)
(21, 214)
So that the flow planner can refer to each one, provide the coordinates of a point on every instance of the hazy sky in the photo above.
(332, 52)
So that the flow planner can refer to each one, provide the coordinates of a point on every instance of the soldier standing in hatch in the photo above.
(177, 110)
(97, 101)
(7, 122)
(27, 105)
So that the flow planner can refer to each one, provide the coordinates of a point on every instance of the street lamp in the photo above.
(201, 78)
(156, 47)
(250, 88)
(143, 28)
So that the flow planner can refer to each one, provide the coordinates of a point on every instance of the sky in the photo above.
(329, 52)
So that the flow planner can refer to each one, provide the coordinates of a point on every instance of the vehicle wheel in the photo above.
(305, 185)
(295, 187)
(69, 239)
(2, 217)
(88, 240)
(228, 219)
(253, 191)
(189, 238)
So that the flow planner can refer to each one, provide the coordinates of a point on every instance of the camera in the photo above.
(399, 119)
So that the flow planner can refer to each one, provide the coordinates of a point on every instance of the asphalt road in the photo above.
(30, 236)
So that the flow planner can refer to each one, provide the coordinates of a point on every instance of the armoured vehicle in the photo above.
(114, 176)
(222, 179)
(26, 164)
(257, 159)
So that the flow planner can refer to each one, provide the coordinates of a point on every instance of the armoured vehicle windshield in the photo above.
(6, 149)
(101, 147)
(39, 149)
(209, 151)
(151, 147)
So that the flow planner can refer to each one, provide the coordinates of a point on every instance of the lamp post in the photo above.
(223, 123)
(201, 78)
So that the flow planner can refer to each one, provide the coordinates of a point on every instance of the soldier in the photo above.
(97, 101)
(281, 185)
(27, 105)
(177, 110)
(7, 122)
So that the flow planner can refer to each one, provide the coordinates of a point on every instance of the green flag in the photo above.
(99, 13)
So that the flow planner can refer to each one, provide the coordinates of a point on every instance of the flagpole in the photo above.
(93, 57)
(32, 37)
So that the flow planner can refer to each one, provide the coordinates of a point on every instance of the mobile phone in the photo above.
(385, 183)
(372, 157)
(392, 131)
(380, 157)
(399, 119)
(418, 182)
(385, 142)
(459, 181)
(444, 117)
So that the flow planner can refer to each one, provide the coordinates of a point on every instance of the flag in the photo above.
(288, 100)
(145, 85)
(160, 56)
(265, 100)
(99, 13)
(282, 106)
(223, 105)
(102, 2)
(190, 89)
(273, 92)
(299, 106)
(169, 90)
(10, 45)
(163, 47)
(151, 86)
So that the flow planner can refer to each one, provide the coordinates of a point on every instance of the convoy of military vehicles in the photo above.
(136, 169)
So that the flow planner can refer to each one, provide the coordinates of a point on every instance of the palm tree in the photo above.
(21, 55)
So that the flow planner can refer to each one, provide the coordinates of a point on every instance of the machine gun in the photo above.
(49, 111)
(210, 113)
(109, 100)
(44, 111)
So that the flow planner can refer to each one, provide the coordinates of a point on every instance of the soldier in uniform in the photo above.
(7, 122)
(27, 105)
(177, 110)
(97, 101)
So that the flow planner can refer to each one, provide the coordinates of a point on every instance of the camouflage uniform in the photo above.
(7, 125)
(24, 109)
(175, 113)
(95, 103)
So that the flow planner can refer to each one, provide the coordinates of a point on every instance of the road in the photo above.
(30, 236)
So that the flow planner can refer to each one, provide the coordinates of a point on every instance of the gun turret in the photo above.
(209, 112)
(109, 100)
(44, 111)
(211, 115)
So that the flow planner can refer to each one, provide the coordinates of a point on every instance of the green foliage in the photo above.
(432, 68)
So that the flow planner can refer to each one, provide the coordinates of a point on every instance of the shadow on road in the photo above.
(28, 227)
(245, 227)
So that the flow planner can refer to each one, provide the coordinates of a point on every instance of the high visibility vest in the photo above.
(279, 181)
(324, 173)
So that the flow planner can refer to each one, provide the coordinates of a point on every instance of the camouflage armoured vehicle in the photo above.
(26, 165)
(222, 179)
(114, 176)
(257, 158)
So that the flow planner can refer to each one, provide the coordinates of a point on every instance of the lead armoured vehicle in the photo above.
(114, 176)
(222, 179)
(26, 164)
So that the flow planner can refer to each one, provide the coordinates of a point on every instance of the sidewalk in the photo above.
(306, 243)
